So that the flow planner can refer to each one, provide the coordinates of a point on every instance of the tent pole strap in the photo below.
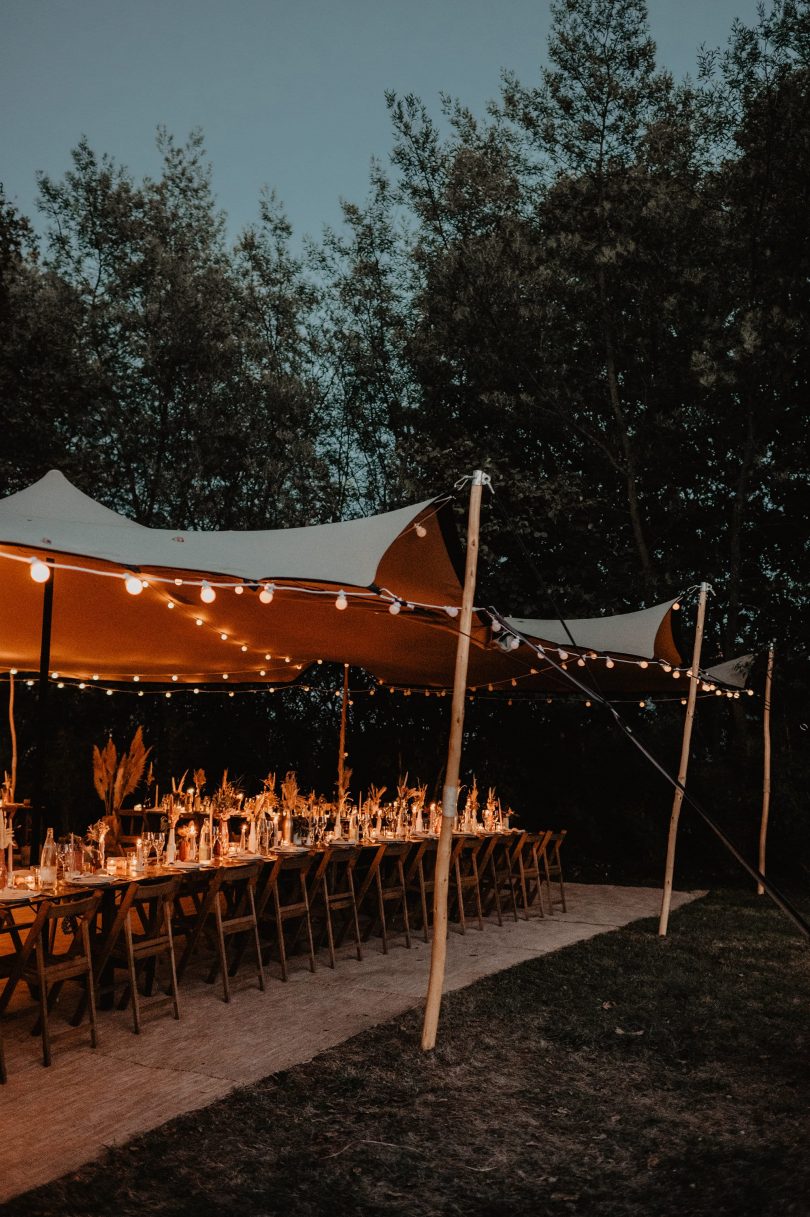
(694, 680)
(342, 737)
(766, 769)
(450, 792)
(38, 799)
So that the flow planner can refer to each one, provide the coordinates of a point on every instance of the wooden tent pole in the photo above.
(438, 950)
(12, 727)
(342, 740)
(43, 722)
(766, 768)
(694, 680)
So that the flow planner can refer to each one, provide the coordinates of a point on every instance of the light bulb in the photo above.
(580, 662)
(199, 621)
(82, 685)
(178, 582)
(40, 571)
(174, 678)
(238, 590)
(109, 692)
(514, 643)
(421, 531)
(587, 703)
(667, 667)
(136, 679)
(231, 693)
(224, 675)
(196, 690)
(609, 663)
(133, 585)
(563, 654)
(675, 608)
(451, 610)
(394, 607)
(495, 626)
(244, 648)
(676, 675)
(263, 672)
(644, 664)
(207, 593)
(224, 637)
(642, 704)
(266, 594)
(168, 694)
(341, 603)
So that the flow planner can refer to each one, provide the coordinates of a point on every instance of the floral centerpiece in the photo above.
(116, 777)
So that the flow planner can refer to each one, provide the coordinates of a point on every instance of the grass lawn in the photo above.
(625, 1076)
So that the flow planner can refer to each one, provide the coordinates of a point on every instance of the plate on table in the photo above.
(96, 880)
(12, 895)
(291, 849)
(191, 865)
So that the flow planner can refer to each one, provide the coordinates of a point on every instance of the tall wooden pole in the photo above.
(342, 743)
(766, 769)
(43, 724)
(694, 680)
(438, 952)
(12, 727)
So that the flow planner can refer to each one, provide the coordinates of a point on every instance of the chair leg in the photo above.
(496, 893)
(133, 979)
(172, 968)
(460, 897)
(91, 987)
(259, 968)
(523, 889)
(478, 893)
(282, 952)
(305, 902)
(223, 962)
(43, 1003)
(404, 891)
(356, 917)
(423, 898)
(381, 906)
(329, 933)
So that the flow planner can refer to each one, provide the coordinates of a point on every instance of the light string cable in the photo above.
(779, 899)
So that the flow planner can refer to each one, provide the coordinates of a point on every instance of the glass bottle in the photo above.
(204, 851)
(47, 861)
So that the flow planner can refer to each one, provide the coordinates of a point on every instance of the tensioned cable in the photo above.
(780, 900)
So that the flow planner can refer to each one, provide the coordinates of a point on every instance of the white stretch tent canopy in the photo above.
(406, 560)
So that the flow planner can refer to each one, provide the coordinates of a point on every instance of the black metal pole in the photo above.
(40, 758)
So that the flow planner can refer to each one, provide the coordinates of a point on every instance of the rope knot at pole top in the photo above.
(478, 478)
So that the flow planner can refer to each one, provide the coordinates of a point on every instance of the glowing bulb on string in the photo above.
(95, 676)
(580, 662)
(451, 610)
(224, 675)
(196, 690)
(199, 621)
(136, 679)
(563, 654)
(133, 585)
(643, 664)
(243, 647)
(750, 692)
(676, 675)
(642, 704)
(109, 692)
(54, 675)
(140, 693)
(82, 685)
(40, 571)
(587, 703)
(683, 701)
(495, 626)
(263, 672)
(168, 694)
(174, 678)
(394, 607)
(667, 667)
(676, 607)
(609, 663)
(266, 594)
(238, 590)
(421, 531)
(224, 637)
(231, 693)
(341, 603)
(207, 593)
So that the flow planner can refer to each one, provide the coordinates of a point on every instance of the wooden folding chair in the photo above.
(500, 876)
(387, 874)
(228, 910)
(333, 886)
(526, 854)
(419, 880)
(148, 903)
(464, 862)
(47, 973)
(285, 897)
(552, 868)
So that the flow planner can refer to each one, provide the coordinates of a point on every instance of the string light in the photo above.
(199, 621)
(207, 593)
(238, 590)
(133, 585)
(224, 637)
(451, 610)
(40, 571)
(609, 663)
(420, 530)
(341, 603)
(178, 582)
(170, 604)
(394, 607)
(267, 593)
(136, 679)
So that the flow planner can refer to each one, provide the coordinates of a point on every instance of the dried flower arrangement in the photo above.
(115, 777)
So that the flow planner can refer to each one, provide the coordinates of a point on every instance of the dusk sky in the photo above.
(289, 93)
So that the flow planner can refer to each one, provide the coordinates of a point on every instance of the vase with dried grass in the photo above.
(116, 777)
